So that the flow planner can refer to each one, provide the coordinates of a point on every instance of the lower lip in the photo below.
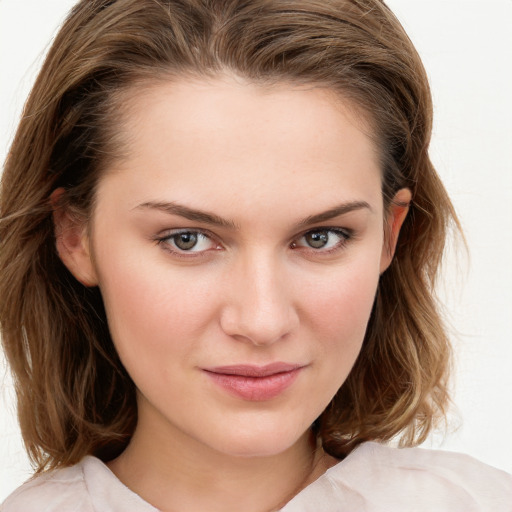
(256, 389)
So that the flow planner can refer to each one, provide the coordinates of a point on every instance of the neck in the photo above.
(176, 473)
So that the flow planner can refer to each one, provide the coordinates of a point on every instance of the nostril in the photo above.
(258, 327)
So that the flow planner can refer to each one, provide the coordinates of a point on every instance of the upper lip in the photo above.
(248, 370)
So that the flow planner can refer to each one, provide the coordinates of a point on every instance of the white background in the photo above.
(466, 46)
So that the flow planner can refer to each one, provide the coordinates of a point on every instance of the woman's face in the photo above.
(238, 248)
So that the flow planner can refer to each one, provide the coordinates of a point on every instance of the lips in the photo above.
(255, 383)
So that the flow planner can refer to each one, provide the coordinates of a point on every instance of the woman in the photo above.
(220, 232)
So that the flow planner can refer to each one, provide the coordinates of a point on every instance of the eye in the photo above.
(324, 239)
(188, 241)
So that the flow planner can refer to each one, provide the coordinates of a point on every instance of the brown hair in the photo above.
(74, 396)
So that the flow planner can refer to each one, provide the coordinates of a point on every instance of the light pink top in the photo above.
(373, 478)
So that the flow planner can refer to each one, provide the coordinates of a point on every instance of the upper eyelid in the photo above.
(335, 229)
(168, 233)
(176, 231)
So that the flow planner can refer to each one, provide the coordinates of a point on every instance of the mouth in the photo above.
(255, 383)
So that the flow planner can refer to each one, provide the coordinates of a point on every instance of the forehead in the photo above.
(207, 106)
(225, 138)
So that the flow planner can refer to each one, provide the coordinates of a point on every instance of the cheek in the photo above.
(339, 311)
(344, 298)
(152, 310)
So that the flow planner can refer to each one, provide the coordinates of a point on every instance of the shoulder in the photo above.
(444, 480)
(89, 486)
(60, 490)
(378, 478)
(424, 459)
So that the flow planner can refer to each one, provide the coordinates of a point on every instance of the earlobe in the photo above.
(72, 242)
(398, 210)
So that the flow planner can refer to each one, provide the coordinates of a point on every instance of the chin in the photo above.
(261, 442)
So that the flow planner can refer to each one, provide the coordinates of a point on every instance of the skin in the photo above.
(252, 291)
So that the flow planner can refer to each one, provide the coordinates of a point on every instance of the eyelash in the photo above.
(166, 240)
(345, 236)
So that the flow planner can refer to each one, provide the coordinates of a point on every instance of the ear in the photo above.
(395, 217)
(72, 242)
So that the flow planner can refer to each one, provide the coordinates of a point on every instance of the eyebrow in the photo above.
(332, 213)
(188, 213)
(215, 220)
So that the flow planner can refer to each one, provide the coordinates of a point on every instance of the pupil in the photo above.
(186, 241)
(317, 239)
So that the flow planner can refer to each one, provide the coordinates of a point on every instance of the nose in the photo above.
(259, 306)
